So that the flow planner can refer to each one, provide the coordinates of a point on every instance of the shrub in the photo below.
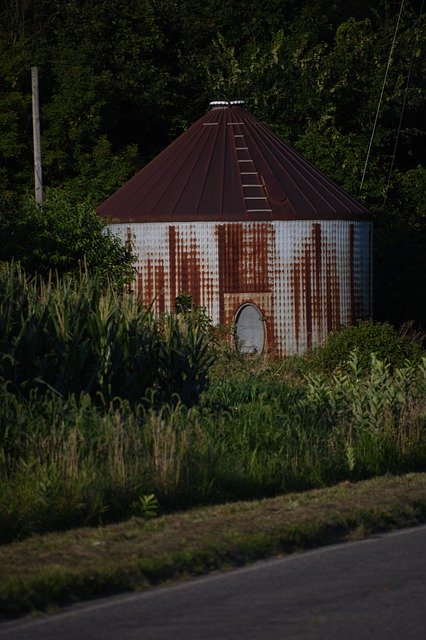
(382, 339)
(63, 236)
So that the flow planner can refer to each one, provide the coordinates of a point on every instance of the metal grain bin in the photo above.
(253, 231)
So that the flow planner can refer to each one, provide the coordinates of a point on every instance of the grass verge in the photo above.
(55, 569)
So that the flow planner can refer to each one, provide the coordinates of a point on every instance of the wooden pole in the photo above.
(36, 137)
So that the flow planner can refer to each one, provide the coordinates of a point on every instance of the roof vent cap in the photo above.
(219, 103)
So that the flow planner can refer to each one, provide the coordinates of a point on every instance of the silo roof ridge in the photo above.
(229, 166)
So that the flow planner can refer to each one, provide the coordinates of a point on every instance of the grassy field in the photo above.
(66, 463)
(45, 571)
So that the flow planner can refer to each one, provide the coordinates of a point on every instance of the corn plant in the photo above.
(73, 337)
(186, 355)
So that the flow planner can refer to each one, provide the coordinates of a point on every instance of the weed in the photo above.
(146, 506)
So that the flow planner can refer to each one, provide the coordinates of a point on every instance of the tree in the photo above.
(63, 236)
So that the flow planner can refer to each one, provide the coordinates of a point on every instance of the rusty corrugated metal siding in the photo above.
(322, 279)
(306, 277)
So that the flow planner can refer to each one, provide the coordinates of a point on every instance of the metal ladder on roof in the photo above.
(255, 198)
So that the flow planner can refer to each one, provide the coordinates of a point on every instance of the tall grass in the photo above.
(64, 463)
(73, 337)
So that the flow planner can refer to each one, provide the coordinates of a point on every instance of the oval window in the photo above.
(249, 330)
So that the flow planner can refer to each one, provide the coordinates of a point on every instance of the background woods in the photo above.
(120, 80)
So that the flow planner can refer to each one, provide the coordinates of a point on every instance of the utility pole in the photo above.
(36, 137)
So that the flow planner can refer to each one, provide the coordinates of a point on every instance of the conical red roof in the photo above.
(228, 166)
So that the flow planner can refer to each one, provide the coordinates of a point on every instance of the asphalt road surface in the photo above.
(374, 589)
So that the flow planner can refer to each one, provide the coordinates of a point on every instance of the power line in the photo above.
(381, 95)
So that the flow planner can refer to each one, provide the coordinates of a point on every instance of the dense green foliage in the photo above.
(64, 463)
(119, 80)
(64, 237)
(73, 336)
(365, 338)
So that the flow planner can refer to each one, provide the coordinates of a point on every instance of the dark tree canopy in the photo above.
(120, 80)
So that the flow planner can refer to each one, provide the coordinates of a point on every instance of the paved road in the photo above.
(369, 590)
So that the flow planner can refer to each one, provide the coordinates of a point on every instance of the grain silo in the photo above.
(253, 231)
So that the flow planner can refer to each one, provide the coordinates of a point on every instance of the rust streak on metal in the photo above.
(245, 258)
(148, 294)
(160, 282)
(317, 295)
(332, 293)
(221, 241)
(295, 282)
(139, 287)
(172, 262)
(195, 272)
(129, 238)
(308, 298)
(271, 339)
(335, 291)
(352, 311)
(184, 282)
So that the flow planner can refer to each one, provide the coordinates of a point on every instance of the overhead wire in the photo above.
(381, 95)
